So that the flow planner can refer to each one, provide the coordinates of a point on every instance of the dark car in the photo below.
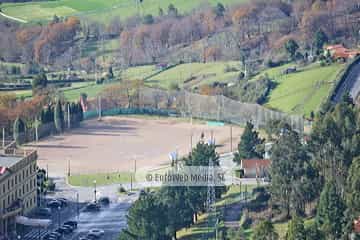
(52, 236)
(61, 231)
(73, 224)
(92, 207)
(54, 204)
(63, 201)
(67, 229)
(105, 201)
(43, 212)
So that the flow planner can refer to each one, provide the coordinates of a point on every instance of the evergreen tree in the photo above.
(352, 198)
(291, 47)
(200, 156)
(330, 211)
(353, 187)
(335, 141)
(247, 148)
(288, 171)
(59, 117)
(39, 82)
(178, 208)
(219, 10)
(19, 130)
(146, 219)
(320, 39)
(296, 229)
(265, 231)
(313, 232)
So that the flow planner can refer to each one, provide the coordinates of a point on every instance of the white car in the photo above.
(96, 233)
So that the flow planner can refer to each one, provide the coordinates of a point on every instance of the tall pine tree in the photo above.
(330, 212)
(249, 142)
(288, 172)
(59, 117)
(296, 230)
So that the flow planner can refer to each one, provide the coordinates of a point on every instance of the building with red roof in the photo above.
(338, 51)
(255, 168)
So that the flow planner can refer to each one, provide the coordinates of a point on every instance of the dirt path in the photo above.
(13, 18)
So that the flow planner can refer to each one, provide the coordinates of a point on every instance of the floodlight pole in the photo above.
(3, 137)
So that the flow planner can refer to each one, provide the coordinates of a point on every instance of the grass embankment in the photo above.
(199, 73)
(201, 229)
(98, 10)
(303, 91)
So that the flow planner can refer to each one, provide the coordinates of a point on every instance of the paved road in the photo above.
(112, 219)
(351, 84)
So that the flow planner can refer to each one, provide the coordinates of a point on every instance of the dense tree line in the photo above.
(326, 171)
(255, 27)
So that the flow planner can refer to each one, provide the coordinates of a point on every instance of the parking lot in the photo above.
(110, 219)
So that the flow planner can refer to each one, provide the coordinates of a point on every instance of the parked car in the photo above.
(63, 201)
(92, 207)
(54, 204)
(73, 224)
(96, 233)
(43, 212)
(67, 229)
(105, 201)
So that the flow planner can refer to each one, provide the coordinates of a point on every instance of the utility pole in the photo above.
(3, 137)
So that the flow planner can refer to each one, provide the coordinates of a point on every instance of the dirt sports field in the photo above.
(113, 144)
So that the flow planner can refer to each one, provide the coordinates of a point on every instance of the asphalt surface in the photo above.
(350, 85)
(111, 219)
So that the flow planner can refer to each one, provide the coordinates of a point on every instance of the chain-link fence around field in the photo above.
(186, 104)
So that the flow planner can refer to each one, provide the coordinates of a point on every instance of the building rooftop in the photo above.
(255, 163)
(9, 160)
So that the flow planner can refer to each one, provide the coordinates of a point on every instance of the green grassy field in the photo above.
(92, 90)
(304, 91)
(140, 72)
(87, 180)
(203, 73)
(98, 9)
